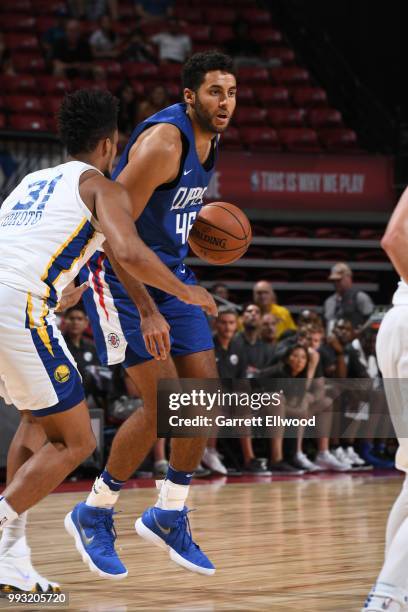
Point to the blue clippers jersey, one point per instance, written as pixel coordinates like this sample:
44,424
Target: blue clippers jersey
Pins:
171,211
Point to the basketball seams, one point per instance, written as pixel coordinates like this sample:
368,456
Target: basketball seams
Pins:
221,229
214,205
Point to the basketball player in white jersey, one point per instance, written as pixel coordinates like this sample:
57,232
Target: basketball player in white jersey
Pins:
50,225
390,592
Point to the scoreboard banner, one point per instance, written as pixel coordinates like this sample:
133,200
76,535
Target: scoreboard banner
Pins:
315,182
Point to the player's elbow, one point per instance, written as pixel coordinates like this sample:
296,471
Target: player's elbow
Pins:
392,240
128,255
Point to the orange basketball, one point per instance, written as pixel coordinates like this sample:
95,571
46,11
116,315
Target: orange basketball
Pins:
221,233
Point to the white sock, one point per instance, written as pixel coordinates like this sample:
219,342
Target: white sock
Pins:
13,536
101,495
171,496
398,514
7,513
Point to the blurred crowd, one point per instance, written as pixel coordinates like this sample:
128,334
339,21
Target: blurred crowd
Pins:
261,339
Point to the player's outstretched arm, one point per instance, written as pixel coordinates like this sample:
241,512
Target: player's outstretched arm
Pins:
115,214
395,239
153,325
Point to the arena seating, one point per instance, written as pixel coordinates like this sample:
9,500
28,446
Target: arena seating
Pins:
278,98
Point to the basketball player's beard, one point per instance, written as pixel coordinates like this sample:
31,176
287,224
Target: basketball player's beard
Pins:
204,119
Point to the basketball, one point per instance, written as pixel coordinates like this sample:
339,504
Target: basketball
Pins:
221,233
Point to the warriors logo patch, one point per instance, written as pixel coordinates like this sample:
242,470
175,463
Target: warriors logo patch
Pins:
62,373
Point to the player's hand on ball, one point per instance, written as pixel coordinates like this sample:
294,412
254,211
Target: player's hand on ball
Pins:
155,331
200,297
71,297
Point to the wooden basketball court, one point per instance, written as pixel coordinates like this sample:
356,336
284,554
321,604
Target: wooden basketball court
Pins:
308,544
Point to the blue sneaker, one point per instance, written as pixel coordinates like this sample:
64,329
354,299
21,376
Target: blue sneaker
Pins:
94,534
170,530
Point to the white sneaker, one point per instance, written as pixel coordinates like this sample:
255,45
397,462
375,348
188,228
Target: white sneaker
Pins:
211,459
327,461
18,572
304,463
341,456
354,457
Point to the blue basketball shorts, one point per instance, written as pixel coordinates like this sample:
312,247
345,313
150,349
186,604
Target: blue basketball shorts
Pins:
115,319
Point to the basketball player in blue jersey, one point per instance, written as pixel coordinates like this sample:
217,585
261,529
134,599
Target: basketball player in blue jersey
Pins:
50,225
166,168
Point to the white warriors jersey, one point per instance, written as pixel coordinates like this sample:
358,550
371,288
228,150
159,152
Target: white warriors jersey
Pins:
46,233
400,297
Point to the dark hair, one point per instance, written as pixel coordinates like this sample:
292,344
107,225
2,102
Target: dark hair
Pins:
224,310
291,348
85,117
197,66
77,308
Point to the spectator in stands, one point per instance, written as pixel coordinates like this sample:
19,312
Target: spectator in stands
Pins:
55,33
83,351
104,42
156,100
6,62
341,360
257,355
136,48
309,316
347,301
127,111
230,364
93,9
221,290
173,45
72,54
243,48
268,329
265,298
150,10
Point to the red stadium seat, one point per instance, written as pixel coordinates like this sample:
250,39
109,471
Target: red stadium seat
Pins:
324,117
290,253
80,83
138,87
198,32
143,70
201,47
2,121
309,96
111,67
48,7
45,23
330,255
16,6
290,75
230,139
253,74
174,91
25,104
266,36
250,115
31,63
339,139
334,232
304,299
221,34
52,104
17,23
23,42
283,54
190,14
170,72
372,255
290,231
273,96
22,83
220,15
299,140
28,123
286,117
277,276
245,95
260,138
255,16
50,85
